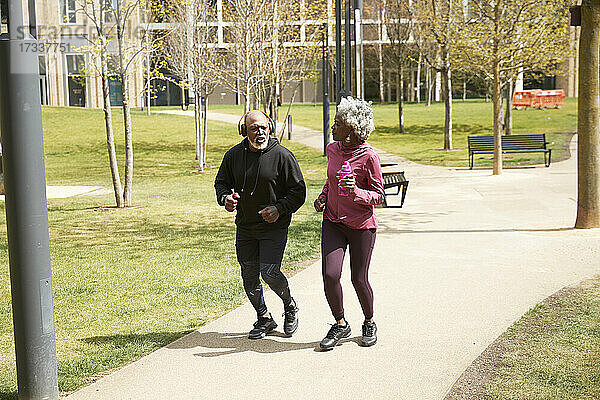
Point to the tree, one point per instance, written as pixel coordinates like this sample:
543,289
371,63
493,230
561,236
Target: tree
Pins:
271,46
249,34
399,31
435,22
295,45
189,47
97,14
588,118
502,37
128,50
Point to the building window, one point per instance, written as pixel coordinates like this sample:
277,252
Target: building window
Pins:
110,8
67,9
3,16
115,90
76,80
43,80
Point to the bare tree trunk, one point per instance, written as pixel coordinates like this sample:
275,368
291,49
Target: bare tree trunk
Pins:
204,130
183,106
389,87
497,98
447,91
400,96
198,118
429,86
275,88
497,104
380,53
110,137
418,91
411,92
381,83
148,78
508,114
197,124
127,187
464,90
588,118
247,97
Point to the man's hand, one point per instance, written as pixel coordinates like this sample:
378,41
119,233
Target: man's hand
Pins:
348,182
269,214
231,202
320,203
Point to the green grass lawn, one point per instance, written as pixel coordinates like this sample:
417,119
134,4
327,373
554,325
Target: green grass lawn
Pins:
127,282
553,352
424,139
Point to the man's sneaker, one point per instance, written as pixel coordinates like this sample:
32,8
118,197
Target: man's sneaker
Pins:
334,335
290,319
262,327
369,333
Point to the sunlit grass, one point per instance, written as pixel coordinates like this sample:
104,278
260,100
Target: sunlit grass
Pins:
129,281
423,141
554,350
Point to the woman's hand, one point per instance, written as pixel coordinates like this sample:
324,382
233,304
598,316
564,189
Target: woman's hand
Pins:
320,203
348,182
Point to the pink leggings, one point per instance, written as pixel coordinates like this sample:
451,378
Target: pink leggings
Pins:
336,237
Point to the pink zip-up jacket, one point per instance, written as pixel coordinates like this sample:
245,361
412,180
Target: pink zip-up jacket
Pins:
357,209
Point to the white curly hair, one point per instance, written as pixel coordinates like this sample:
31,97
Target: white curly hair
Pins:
357,114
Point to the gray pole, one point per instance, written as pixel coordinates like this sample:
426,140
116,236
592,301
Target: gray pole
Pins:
348,49
357,49
325,89
26,211
338,50
362,59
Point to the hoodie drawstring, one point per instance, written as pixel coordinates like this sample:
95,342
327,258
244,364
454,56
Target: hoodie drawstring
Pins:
257,174
246,172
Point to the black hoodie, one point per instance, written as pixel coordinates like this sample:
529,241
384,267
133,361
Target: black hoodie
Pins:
270,177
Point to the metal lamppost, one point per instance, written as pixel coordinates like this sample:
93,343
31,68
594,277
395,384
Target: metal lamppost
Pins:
338,50
348,48
26,209
325,88
358,49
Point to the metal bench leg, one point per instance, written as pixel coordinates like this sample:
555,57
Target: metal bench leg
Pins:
404,188
471,162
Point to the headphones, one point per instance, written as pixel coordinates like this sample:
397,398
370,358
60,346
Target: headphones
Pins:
242,130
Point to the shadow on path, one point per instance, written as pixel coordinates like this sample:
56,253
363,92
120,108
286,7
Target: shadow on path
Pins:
388,231
232,343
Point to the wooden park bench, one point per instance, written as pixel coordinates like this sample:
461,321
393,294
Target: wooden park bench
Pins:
397,180
530,143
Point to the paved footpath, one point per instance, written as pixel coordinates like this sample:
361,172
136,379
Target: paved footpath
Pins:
62,192
465,257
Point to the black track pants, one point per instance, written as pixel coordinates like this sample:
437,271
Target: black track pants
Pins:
259,252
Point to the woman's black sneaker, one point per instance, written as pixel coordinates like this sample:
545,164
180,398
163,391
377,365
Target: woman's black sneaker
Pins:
369,333
290,319
262,327
334,335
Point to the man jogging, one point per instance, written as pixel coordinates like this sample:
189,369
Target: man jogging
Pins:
262,180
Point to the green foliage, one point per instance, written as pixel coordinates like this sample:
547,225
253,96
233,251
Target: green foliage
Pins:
129,281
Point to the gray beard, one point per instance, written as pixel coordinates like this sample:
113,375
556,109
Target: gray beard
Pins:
259,146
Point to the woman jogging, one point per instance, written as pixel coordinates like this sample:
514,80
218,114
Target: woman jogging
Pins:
354,186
